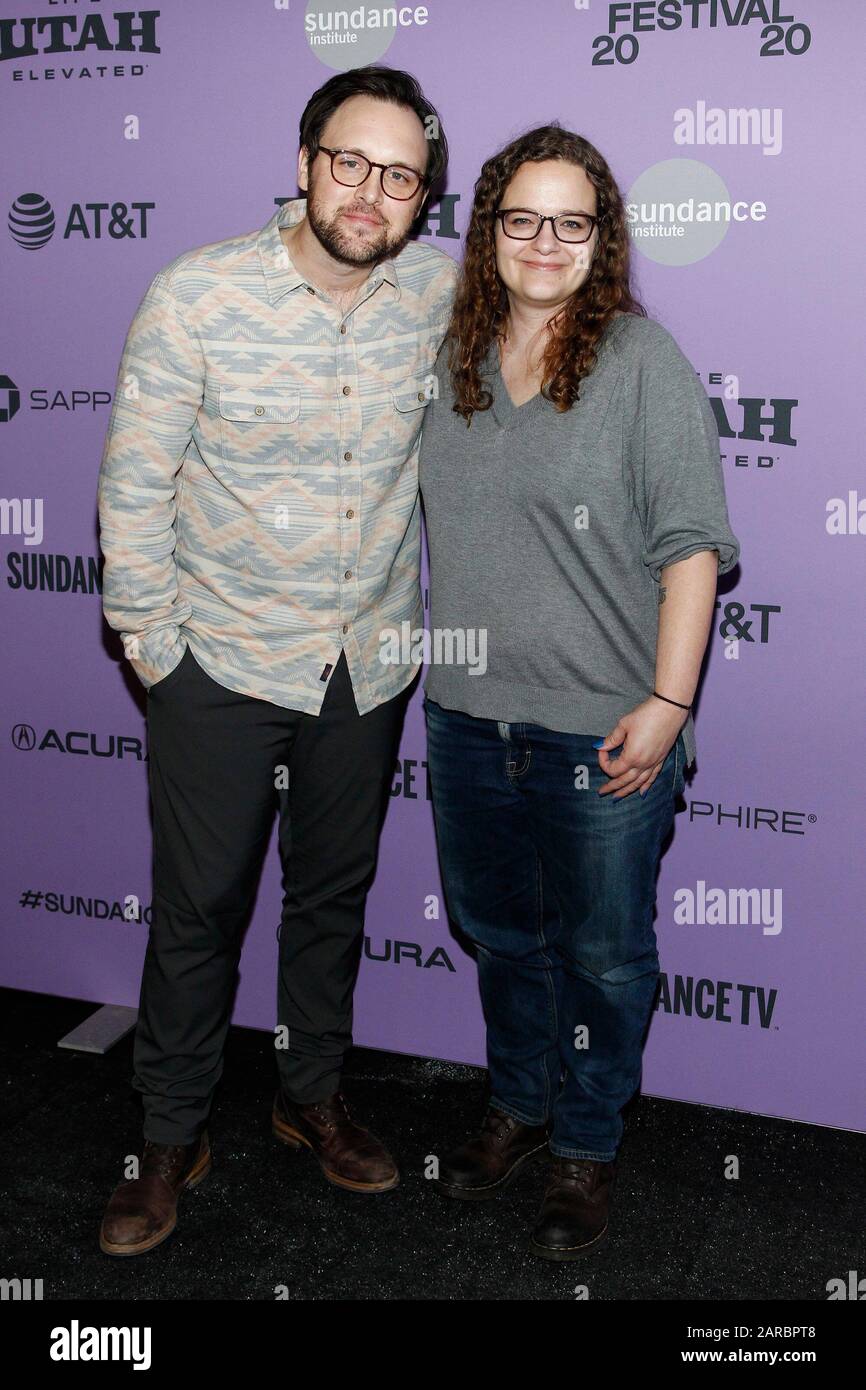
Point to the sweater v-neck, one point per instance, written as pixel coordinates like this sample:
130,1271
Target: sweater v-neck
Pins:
506,413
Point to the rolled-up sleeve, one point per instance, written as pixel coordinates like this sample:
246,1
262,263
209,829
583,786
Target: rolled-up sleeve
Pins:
160,386
678,485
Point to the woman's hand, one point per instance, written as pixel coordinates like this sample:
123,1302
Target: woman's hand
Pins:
648,733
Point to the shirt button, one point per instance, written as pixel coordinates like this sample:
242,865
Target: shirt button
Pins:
350,512
347,390
343,328
260,410
348,456
345,627
420,395
310,290
348,574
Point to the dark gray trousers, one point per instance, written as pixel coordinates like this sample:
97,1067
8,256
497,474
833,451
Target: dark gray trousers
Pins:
213,760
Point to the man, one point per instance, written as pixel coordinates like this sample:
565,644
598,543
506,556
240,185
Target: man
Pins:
260,524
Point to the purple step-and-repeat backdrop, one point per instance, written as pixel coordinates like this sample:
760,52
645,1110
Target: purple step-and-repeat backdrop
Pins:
730,126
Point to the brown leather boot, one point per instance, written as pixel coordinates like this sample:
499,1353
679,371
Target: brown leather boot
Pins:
349,1155
487,1163
143,1211
574,1213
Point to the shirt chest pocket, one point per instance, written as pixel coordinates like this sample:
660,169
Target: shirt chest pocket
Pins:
406,414
260,431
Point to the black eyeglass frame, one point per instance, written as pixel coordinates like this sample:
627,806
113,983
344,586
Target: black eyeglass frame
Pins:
374,164
502,213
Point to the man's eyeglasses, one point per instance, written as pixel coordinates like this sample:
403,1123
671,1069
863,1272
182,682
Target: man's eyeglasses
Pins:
351,169
522,224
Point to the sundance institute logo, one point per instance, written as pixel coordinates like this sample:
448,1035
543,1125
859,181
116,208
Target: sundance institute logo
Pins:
680,210
347,36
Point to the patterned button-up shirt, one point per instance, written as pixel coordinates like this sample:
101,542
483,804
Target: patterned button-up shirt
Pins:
258,492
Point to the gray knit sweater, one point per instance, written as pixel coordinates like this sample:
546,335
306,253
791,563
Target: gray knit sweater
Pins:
548,533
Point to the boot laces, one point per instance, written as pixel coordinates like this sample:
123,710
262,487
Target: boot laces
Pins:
500,1125
578,1171
337,1101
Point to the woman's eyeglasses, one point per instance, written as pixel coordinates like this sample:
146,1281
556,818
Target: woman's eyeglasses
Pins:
522,224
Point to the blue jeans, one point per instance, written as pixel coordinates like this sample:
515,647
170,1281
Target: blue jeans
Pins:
555,886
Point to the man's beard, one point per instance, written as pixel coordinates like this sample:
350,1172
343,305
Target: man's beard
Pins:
338,241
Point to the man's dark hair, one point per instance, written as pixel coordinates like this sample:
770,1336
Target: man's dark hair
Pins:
386,84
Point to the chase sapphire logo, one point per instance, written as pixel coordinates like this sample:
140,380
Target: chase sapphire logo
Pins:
10,399
31,221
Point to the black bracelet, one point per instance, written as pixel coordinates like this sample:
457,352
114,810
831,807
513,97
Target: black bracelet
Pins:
670,702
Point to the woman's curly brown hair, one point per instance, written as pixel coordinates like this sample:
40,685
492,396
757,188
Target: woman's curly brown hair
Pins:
480,311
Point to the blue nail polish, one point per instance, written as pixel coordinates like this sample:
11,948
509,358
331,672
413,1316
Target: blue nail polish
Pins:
599,743
642,792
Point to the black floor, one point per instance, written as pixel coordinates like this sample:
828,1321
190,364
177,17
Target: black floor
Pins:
266,1217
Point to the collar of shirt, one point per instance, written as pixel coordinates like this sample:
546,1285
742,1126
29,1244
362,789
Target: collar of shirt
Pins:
280,274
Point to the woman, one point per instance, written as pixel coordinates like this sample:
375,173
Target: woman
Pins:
577,521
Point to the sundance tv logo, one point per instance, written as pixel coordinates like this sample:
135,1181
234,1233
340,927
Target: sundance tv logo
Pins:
717,1001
